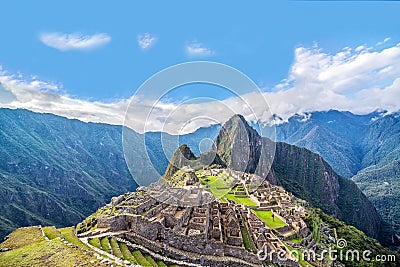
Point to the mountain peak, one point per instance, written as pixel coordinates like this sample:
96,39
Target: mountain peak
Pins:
182,157
234,120
184,151
236,142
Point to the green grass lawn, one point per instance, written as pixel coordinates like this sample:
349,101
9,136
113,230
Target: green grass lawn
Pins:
296,240
30,249
140,259
215,185
47,253
241,200
246,238
69,234
95,242
51,232
105,244
161,264
220,190
266,217
23,237
115,248
126,252
151,260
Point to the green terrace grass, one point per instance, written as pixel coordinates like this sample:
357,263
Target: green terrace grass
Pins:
241,200
140,259
161,264
95,242
126,252
246,238
115,248
239,188
151,260
51,232
296,240
47,253
215,185
266,217
29,248
69,234
105,244
219,188
23,237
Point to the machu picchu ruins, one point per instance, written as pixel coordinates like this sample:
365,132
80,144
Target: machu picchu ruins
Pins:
215,230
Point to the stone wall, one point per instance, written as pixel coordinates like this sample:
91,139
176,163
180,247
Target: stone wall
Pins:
139,209
153,211
234,241
220,260
146,229
286,228
115,223
241,253
154,236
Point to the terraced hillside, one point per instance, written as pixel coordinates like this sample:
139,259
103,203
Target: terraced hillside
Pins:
31,246
49,246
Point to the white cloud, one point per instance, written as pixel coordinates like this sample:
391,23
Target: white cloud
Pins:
198,49
387,39
145,41
358,81
74,41
47,97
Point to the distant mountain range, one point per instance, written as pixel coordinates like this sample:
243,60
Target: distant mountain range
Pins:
58,171
365,148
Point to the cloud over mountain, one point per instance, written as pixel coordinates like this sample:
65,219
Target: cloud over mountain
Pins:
359,80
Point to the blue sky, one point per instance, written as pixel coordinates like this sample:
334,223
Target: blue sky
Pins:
259,38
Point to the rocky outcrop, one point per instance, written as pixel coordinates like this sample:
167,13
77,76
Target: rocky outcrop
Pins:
182,157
